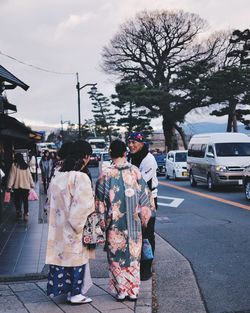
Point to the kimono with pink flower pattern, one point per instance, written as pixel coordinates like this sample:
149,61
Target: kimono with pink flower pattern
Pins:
123,203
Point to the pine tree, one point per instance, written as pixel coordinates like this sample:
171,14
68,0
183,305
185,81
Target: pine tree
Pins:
132,116
104,118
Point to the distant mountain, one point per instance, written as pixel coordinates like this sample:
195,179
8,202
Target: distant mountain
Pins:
207,127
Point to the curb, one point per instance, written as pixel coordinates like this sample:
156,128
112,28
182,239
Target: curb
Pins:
25,277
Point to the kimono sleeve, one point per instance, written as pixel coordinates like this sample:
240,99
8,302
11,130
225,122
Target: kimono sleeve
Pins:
145,209
101,202
82,203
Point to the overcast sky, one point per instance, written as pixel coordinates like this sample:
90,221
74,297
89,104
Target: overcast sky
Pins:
68,36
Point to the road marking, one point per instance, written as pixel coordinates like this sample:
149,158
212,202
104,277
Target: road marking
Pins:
239,205
175,202
163,218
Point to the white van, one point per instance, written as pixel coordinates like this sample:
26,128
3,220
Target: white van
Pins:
218,158
98,145
176,164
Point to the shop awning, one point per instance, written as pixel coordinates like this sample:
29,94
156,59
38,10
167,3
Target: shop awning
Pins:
12,128
6,76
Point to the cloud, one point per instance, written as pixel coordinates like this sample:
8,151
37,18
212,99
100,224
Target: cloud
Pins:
71,23
68,36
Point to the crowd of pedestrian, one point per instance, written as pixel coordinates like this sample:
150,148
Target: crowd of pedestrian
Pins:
123,204
121,210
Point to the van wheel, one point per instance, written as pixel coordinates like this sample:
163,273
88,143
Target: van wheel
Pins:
247,190
193,182
210,184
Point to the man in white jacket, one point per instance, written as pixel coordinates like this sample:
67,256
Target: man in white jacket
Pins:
145,161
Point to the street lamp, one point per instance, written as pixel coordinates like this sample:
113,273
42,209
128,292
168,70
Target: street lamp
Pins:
78,87
64,122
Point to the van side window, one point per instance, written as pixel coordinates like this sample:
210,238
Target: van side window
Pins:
233,149
197,150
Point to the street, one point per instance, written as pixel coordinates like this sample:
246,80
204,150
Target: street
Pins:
214,236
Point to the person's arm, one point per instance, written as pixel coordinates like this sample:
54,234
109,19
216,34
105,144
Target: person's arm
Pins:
145,208
148,169
12,177
82,203
31,181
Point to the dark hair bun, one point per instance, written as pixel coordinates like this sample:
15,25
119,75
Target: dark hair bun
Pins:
117,149
80,149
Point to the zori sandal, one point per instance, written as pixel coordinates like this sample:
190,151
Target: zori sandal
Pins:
80,299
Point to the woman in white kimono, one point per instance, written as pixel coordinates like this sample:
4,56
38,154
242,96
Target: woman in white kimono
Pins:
70,201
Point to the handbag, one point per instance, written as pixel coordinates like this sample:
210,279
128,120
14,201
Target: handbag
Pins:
32,195
147,252
92,231
7,197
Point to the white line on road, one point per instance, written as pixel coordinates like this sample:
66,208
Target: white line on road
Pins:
175,202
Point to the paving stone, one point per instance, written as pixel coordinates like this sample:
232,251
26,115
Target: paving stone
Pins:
6,292
43,307
82,308
146,285
33,296
42,285
100,281
145,295
106,303
130,304
23,286
23,310
105,288
11,303
95,291
62,299
4,287
142,309
127,310
144,302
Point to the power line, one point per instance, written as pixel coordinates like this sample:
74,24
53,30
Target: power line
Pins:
36,67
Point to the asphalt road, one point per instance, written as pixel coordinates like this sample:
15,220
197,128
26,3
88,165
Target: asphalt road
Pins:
213,234
212,231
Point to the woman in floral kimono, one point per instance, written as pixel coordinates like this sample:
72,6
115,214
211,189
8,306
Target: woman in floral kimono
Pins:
70,201
122,201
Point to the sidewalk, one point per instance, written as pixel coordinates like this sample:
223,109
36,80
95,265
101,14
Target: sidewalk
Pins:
23,275
23,272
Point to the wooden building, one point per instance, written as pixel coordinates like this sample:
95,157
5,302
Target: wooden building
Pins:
13,134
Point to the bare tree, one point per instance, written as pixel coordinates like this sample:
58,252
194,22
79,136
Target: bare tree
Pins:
152,47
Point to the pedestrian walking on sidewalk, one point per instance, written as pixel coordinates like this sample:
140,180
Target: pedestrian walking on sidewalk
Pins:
122,200
46,166
33,165
70,201
20,180
145,161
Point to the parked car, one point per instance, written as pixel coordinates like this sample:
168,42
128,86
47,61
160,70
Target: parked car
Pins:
161,162
176,164
218,159
41,146
246,182
94,159
105,160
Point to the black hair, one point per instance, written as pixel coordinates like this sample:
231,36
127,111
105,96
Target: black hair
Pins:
117,149
19,161
45,157
64,150
74,158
